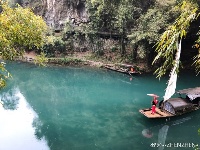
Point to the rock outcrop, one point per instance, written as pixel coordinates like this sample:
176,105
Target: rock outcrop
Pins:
57,12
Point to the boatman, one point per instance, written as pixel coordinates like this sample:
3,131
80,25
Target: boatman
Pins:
132,69
154,103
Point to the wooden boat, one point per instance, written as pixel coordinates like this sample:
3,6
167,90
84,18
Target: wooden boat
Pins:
188,101
170,107
123,68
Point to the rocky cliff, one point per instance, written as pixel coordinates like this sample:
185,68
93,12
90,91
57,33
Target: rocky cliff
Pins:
57,12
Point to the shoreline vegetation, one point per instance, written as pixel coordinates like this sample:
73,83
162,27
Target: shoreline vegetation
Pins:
79,59
88,59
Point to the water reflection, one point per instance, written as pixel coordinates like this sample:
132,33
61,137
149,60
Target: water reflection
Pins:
16,124
9,100
175,133
162,135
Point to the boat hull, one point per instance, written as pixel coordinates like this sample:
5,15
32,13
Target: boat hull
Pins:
159,113
121,70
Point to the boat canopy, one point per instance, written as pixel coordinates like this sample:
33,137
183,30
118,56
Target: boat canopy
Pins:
177,105
192,93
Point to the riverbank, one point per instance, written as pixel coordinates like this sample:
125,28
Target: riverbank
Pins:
89,59
81,59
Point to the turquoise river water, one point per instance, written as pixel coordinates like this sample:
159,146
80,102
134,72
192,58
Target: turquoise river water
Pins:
72,108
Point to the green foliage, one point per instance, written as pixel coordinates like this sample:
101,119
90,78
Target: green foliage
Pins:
150,25
20,29
4,74
41,59
166,2
111,16
197,57
124,12
68,28
166,47
54,45
99,53
65,61
114,48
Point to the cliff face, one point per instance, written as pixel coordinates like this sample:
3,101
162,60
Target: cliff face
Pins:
57,12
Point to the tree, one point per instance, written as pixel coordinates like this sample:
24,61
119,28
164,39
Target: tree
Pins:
112,16
124,14
197,57
150,26
169,45
20,29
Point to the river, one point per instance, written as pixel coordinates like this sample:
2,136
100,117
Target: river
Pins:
76,108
